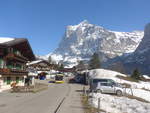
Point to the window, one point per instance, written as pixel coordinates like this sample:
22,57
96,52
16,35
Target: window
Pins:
104,84
17,52
10,65
99,80
8,80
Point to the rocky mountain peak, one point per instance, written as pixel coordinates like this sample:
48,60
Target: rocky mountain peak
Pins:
81,41
84,22
140,57
145,43
147,30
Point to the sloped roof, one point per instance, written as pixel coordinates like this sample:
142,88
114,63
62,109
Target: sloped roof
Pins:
39,62
34,62
20,44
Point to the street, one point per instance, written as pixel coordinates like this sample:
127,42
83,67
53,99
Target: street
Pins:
58,98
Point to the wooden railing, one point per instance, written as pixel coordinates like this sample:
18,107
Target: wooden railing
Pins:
17,57
12,71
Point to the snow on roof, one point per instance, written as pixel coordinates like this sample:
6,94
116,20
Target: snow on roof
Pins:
34,62
5,39
101,73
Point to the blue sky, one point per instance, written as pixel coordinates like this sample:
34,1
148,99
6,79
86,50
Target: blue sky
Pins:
43,22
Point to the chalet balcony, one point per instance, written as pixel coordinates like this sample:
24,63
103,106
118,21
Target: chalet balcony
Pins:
14,56
6,71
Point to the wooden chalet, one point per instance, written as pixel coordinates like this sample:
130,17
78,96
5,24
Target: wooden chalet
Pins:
42,67
14,54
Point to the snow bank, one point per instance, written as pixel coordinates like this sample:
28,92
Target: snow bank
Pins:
140,93
136,85
99,73
116,104
146,76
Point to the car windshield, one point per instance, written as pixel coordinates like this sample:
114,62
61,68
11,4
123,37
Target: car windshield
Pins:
58,77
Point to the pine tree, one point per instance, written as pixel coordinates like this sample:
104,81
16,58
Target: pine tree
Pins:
61,67
50,59
80,65
136,74
94,62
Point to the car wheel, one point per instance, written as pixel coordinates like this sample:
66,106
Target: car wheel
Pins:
119,93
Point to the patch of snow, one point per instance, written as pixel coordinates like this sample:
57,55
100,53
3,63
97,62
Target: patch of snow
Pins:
99,73
114,104
140,93
146,76
56,57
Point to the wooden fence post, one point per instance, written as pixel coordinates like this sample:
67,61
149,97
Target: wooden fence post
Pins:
131,91
84,90
99,101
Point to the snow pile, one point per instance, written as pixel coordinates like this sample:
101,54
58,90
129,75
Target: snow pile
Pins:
142,94
5,39
146,76
103,73
116,104
136,85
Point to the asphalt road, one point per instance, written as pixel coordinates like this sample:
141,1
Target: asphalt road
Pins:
58,98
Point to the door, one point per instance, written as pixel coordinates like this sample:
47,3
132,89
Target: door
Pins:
107,88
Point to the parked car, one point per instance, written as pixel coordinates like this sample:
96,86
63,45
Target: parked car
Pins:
78,78
106,86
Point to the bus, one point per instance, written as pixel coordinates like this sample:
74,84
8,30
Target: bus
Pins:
59,78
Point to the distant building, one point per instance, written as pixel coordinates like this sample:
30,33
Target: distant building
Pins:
40,69
14,54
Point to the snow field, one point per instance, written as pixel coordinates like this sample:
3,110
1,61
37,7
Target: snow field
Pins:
114,104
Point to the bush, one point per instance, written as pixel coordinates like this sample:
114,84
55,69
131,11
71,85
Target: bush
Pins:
136,74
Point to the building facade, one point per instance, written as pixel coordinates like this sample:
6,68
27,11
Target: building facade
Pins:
14,54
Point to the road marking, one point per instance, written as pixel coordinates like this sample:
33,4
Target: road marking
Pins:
58,107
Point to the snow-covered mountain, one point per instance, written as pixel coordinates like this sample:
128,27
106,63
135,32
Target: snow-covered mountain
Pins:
81,41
